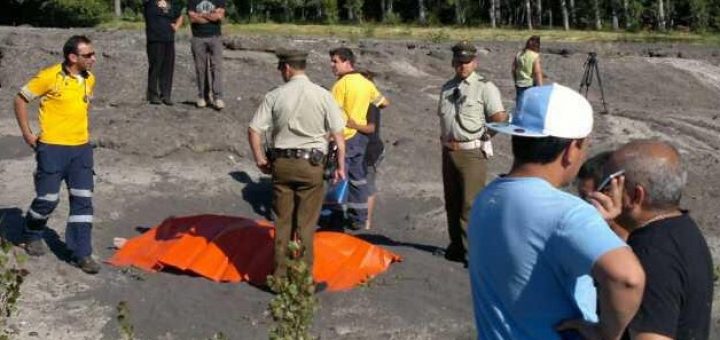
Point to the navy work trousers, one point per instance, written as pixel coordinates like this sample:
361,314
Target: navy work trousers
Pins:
74,165
357,174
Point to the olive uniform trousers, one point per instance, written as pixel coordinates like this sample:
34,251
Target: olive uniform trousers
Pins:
464,174
298,193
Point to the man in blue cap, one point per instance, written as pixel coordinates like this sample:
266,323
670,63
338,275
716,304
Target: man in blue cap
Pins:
535,250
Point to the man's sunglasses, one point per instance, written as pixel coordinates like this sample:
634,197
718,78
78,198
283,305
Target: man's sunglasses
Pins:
87,55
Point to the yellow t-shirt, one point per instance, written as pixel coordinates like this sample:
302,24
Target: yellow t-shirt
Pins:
354,94
64,102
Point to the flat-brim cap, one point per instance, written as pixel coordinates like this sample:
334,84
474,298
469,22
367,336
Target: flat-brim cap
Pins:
285,55
550,110
464,51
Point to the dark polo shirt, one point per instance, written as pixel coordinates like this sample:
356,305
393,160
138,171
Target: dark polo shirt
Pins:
679,279
159,15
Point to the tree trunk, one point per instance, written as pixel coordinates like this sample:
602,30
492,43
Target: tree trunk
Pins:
626,14
118,9
382,11
492,13
573,19
287,10
661,15
528,14
615,22
459,12
388,10
566,22
422,16
550,18
596,8
538,16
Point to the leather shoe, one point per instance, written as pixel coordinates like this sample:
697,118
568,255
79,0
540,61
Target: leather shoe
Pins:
88,265
168,102
35,247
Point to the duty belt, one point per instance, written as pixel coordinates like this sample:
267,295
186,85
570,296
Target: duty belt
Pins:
314,156
469,145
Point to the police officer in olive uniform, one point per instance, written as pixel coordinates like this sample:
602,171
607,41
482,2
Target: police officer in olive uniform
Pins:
467,101
298,116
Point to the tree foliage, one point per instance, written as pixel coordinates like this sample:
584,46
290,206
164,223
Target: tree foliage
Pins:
696,15
57,13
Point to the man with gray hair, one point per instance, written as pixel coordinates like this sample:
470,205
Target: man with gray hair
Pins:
672,250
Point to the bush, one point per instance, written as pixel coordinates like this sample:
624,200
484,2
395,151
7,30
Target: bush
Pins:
438,36
293,307
75,13
392,18
12,276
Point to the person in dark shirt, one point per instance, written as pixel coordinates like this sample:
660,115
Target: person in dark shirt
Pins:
162,19
374,154
679,287
206,16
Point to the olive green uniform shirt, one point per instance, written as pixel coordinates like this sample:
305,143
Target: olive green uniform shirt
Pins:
299,115
472,103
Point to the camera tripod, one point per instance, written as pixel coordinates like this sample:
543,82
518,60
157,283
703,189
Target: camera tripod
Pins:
590,68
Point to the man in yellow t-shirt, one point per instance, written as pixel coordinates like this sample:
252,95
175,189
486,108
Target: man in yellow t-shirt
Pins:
62,149
354,93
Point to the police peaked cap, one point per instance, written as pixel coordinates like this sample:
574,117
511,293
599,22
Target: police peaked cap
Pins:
464,51
285,55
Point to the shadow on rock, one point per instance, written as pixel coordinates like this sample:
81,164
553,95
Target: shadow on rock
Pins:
11,224
258,194
382,240
56,245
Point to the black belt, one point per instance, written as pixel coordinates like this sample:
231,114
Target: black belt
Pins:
315,156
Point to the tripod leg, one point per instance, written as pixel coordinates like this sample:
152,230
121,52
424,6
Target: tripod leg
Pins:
584,82
602,91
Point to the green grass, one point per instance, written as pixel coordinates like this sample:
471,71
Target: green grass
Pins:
448,33
438,34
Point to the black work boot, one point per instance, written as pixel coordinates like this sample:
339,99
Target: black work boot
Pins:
88,265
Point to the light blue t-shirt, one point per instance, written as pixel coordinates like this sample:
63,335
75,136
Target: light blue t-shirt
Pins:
532,248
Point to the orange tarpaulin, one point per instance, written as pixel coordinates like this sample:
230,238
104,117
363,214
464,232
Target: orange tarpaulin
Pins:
235,249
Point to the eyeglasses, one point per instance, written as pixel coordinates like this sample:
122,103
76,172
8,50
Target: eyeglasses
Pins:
87,55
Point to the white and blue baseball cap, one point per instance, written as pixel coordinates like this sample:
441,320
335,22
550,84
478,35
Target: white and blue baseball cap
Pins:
551,110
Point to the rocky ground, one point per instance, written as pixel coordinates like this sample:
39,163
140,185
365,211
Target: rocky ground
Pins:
157,161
